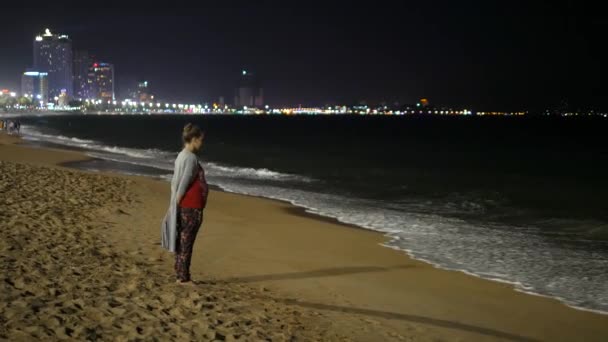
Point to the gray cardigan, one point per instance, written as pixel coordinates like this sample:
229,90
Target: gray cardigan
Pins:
186,167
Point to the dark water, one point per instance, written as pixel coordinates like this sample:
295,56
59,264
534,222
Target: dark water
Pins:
522,200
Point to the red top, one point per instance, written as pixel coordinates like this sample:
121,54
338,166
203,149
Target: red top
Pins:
196,195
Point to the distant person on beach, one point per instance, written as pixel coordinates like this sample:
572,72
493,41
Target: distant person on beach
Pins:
189,192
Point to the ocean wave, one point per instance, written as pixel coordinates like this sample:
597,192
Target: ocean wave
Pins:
31,133
156,158
246,172
128,152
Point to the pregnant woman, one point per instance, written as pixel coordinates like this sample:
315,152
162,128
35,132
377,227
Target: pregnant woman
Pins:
189,192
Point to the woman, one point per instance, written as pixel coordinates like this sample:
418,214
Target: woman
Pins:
189,192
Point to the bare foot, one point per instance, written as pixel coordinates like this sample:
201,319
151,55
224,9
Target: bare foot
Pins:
186,283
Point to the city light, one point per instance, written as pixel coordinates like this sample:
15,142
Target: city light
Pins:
13,94
38,38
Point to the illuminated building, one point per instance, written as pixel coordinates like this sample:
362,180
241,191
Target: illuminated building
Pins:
35,84
62,99
101,81
143,92
249,92
82,61
53,55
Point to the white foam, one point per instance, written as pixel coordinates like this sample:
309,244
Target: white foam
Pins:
251,173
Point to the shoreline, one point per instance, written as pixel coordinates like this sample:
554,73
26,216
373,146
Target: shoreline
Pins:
365,290
304,212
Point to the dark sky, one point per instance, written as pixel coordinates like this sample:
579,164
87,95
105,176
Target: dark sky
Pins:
483,54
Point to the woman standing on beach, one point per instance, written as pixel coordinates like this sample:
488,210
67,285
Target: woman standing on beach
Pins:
189,192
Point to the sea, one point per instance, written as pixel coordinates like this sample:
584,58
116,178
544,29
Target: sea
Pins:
520,200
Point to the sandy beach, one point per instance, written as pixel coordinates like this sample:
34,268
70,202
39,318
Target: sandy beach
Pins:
81,259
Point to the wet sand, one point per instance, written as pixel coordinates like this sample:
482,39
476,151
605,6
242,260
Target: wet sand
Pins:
81,259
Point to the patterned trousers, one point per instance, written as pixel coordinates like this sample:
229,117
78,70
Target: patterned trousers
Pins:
188,223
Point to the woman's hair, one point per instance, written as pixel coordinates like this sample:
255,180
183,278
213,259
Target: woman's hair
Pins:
190,132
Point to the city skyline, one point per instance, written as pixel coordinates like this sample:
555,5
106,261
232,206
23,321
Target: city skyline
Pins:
486,56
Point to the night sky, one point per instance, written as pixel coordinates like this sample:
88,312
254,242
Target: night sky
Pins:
506,55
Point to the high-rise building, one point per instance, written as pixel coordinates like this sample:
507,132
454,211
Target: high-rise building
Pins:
249,93
82,62
27,84
143,92
34,84
101,81
53,55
